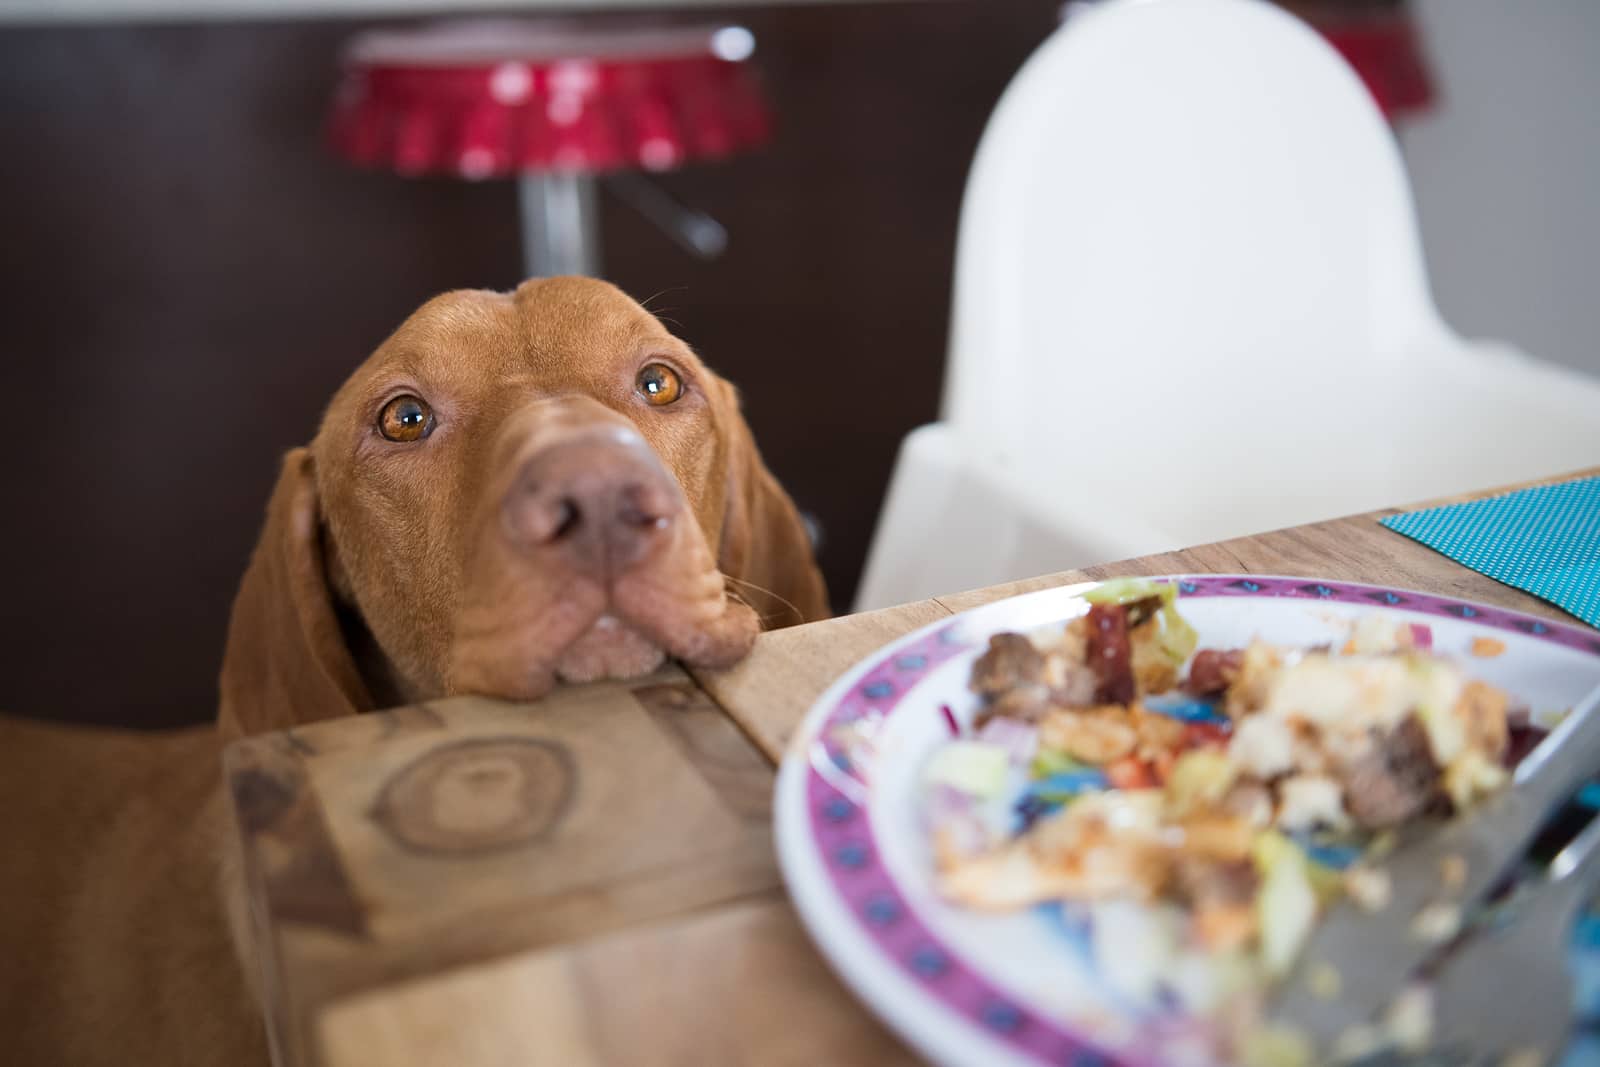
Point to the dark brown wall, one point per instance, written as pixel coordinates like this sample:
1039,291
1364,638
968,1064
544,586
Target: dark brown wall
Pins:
187,275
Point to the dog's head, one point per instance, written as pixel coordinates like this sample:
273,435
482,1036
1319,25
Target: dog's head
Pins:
511,491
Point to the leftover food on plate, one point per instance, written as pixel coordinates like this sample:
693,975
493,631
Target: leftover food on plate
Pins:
1197,808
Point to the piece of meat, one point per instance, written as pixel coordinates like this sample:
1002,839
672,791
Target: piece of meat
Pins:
1213,883
1394,779
1258,667
1010,661
1212,836
1090,735
1158,734
1213,670
1109,653
1029,702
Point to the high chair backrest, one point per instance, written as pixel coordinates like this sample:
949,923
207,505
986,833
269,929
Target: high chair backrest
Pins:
1179,206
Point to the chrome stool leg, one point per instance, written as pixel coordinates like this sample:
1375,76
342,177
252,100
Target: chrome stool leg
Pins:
560,225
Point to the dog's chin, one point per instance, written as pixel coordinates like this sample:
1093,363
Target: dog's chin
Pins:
609,648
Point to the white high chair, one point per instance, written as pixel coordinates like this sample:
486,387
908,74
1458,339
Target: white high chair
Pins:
1190,304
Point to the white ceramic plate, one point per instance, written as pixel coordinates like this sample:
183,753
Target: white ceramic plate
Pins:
968,988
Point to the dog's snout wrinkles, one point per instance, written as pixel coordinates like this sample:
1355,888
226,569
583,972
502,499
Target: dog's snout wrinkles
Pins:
601,502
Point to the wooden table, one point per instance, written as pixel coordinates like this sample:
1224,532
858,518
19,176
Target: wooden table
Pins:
591,879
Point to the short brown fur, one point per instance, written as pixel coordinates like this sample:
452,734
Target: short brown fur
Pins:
382,575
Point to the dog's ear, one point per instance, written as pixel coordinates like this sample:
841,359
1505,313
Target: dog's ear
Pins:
286,661
764,546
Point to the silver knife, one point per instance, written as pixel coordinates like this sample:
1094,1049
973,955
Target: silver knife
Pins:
1374,953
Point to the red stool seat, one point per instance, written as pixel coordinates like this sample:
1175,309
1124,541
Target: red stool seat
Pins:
1385,51
496,99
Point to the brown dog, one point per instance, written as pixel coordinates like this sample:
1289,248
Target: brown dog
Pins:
511,491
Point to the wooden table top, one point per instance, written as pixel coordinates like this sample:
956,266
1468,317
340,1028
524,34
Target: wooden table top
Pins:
591,879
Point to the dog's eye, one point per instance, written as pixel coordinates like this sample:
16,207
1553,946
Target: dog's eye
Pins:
659,384
406,418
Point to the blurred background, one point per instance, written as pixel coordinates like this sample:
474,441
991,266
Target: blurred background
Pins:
190,269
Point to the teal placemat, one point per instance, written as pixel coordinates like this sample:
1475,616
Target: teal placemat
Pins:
1545,541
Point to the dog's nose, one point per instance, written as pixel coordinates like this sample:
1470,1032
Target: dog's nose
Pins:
601,500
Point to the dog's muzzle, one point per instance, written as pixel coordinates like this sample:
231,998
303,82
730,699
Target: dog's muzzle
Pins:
597,502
